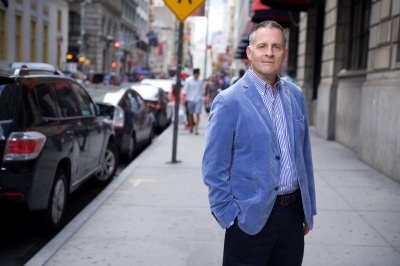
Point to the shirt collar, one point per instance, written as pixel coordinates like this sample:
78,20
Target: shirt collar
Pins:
261,85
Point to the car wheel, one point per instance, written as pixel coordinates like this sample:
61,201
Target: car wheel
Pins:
130,154
50,220
151,135
108,166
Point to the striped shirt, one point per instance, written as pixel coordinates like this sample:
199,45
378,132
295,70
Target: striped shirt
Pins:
288,180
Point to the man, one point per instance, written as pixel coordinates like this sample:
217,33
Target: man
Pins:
193,92
234,79
257,162
211,90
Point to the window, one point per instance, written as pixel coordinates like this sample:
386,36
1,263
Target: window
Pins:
86,104
48,106
59,20
398,44
74,23
359,34
133,102
7,100
58,55
33,41
18,38
45,43
66,99
3,31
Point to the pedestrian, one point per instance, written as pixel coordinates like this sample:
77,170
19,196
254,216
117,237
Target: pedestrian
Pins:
193,93
235,79
257,161
289,75
182,118
212,89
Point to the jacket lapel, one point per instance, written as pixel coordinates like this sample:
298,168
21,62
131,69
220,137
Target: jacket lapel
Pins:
287,107
254,96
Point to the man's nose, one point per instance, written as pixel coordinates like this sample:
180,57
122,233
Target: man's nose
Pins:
269,51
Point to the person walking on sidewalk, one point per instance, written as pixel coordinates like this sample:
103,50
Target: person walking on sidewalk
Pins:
257,161
193,92
211,90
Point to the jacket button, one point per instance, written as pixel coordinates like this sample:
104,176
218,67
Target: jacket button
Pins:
278,157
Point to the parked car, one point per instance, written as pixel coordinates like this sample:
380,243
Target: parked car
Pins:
37,68
157,101
106,79
51,141
165,84
132,120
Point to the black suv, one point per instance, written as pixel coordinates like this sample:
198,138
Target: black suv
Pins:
51,140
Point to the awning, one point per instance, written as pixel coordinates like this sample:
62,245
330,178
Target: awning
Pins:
244,41
261,12
293,5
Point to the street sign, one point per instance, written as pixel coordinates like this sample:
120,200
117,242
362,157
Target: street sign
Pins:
183,8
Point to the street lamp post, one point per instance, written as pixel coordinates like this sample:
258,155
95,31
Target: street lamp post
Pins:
82,44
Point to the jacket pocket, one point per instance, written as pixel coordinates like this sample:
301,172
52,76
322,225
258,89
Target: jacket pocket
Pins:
243,189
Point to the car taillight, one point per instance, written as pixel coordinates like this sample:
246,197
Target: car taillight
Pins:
119,117
24,145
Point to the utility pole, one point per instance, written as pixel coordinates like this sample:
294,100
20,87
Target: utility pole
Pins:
81,41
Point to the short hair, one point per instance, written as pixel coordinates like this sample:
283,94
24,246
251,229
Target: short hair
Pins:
196,71
267,24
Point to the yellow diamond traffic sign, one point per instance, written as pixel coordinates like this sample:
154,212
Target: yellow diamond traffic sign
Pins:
183,8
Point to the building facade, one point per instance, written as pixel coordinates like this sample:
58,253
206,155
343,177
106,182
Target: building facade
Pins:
347,59
34,31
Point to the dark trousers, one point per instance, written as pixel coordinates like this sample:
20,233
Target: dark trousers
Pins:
280,242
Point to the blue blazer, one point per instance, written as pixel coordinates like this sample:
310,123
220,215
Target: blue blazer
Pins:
240,164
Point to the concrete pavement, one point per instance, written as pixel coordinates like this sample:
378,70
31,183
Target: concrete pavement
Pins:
157,213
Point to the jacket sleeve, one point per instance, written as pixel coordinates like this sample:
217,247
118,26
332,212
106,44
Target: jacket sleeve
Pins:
217,161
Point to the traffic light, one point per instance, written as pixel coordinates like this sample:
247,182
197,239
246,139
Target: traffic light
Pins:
117,45
114,64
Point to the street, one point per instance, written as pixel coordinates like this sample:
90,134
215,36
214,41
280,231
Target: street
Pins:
20,239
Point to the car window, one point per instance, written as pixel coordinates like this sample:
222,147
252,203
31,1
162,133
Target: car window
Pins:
87,106
133,102
67,99
29,110
48,106
7,101
140,101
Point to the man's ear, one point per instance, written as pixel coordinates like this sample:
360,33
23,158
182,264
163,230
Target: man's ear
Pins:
286,52
248,52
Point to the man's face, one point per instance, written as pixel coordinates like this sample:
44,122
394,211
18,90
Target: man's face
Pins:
267,53
196,75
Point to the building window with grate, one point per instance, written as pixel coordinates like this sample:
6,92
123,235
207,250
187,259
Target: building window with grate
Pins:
59,20
33,41
398,43
359,34
45,43
18,38
3,32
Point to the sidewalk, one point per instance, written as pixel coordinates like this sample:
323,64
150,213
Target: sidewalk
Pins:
157,213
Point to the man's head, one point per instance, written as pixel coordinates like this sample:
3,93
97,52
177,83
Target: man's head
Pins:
196,73
267,50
